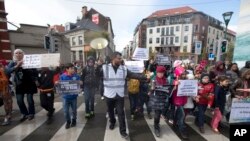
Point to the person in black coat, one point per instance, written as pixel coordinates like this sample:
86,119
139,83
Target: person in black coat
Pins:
25,83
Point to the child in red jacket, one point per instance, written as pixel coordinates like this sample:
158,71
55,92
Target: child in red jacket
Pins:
205,92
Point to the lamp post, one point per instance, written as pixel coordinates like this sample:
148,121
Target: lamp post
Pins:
227,17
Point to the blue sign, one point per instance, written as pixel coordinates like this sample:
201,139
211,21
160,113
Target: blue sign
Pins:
211,56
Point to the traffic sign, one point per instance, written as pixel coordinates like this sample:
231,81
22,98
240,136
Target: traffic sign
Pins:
211,56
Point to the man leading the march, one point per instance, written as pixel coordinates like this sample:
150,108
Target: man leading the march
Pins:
114,77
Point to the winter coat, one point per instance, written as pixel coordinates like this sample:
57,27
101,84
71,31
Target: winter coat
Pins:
204,91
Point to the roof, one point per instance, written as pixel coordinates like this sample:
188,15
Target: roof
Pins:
58,28
85,24
231,32
173,11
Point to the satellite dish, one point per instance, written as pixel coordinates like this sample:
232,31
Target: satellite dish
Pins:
99,43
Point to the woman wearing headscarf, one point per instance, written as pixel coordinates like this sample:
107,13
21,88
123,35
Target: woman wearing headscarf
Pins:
25,83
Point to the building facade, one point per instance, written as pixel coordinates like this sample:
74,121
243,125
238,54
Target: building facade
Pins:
92,25
5,51
173,32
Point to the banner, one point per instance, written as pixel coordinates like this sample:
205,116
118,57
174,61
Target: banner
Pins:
162,60
187,88
41,60
141,54
198,47
135,66
68,87
240,111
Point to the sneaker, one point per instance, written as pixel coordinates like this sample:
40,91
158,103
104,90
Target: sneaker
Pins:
23,118
6,122
73,124
67,126
50,114
157,132
132,117
49,120
216,130
149,116
102,98
31,117
112,126
124,135
202,130
92,114
87,115
171,121
183,135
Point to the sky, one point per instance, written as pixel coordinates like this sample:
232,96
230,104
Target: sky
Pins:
125,14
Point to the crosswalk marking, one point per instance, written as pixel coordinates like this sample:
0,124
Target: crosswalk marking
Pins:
71,133
167,134
24,129
209,134
115,133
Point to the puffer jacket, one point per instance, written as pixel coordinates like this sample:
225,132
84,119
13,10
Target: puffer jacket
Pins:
178,100
204,91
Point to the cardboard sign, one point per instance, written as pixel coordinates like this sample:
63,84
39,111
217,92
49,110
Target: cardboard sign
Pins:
135,66
69,87
240,111
41,60
141,54
188,88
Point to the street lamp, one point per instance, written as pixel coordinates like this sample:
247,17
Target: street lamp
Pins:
227,17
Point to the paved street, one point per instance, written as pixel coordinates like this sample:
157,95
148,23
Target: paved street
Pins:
96,129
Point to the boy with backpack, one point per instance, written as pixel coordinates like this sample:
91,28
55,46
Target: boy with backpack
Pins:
133,92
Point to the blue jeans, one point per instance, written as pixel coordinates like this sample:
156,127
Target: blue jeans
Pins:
89,96
200,115
133,99
22,106
179,117
67,103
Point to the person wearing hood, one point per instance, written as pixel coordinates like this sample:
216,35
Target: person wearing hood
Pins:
89,79
205,94
247,66
219,70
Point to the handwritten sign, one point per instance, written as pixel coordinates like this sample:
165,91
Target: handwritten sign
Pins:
240,111
41,60
162,60
141,54
135,66
68,87
188,88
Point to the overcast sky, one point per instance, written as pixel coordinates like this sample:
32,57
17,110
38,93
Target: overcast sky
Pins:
125,14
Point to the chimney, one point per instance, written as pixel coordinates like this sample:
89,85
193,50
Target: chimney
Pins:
84,11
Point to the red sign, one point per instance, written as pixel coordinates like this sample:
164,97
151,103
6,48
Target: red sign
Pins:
95,18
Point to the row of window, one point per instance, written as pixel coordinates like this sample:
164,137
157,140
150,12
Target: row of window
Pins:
166,42
169,30
74,42
80,55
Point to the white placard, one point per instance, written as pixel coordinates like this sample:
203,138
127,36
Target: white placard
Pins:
135,66
162,60
32,61
141,54
188,88
240,111
41,60
198,47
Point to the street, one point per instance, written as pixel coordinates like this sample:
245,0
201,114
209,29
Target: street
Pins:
97,128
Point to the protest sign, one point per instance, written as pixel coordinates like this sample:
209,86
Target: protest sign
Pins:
135,66
187,88
140,54
41,60
162,60
240,111
68,87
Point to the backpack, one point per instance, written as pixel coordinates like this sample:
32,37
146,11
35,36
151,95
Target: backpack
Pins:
133,86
